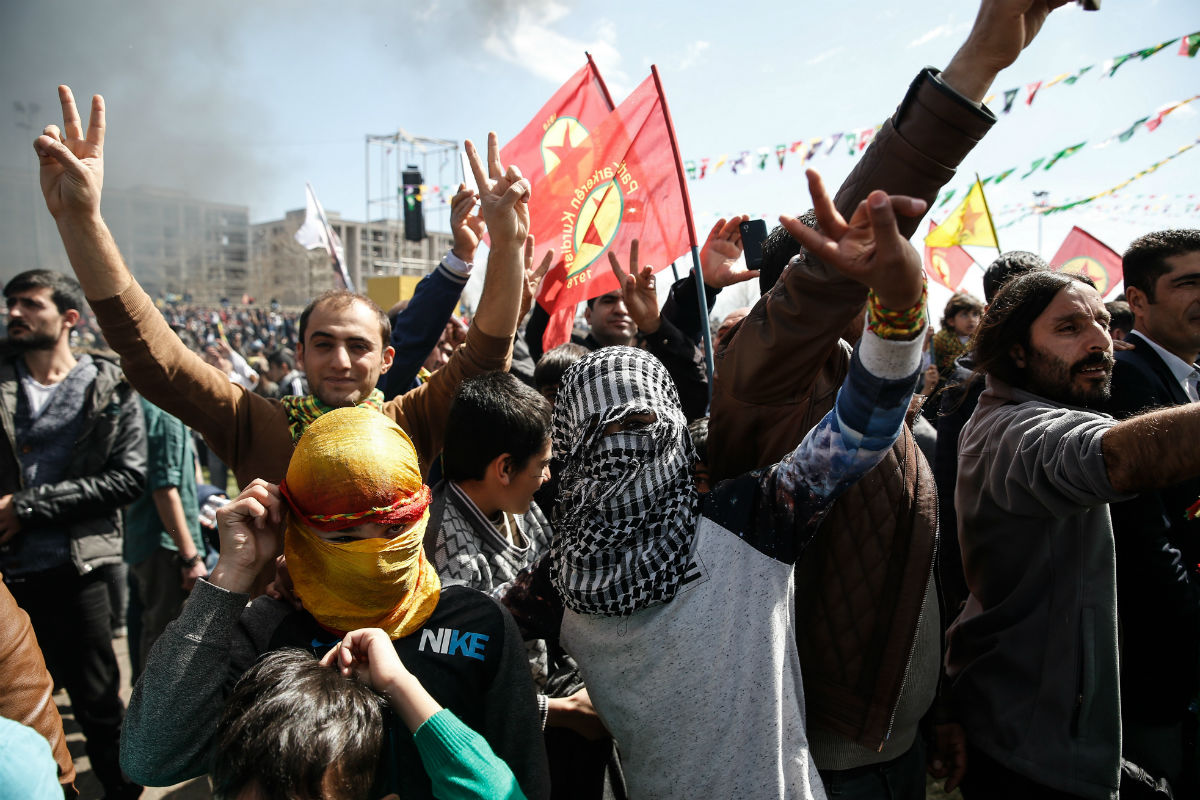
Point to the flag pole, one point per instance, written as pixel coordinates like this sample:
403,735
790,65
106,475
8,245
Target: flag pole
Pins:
988,211
697,273
603,86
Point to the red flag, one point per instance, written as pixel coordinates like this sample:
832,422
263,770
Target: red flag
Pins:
946,265
622,185
1084,254
566,120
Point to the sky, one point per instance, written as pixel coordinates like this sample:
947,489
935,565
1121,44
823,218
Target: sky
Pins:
243,102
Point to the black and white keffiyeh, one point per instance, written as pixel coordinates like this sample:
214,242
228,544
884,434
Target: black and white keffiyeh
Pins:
627,506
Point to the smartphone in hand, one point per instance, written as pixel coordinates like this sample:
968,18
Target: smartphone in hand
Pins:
753,232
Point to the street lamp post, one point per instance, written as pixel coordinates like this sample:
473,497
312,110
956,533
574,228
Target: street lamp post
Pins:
1040,197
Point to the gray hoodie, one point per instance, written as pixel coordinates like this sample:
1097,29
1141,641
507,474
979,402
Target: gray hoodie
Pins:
1033,655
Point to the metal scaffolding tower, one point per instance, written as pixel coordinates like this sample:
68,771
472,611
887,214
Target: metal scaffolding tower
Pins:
387,156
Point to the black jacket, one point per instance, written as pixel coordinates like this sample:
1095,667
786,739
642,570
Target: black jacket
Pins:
1158,586
107,468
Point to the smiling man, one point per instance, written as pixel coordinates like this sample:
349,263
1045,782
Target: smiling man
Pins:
343,336
1033,655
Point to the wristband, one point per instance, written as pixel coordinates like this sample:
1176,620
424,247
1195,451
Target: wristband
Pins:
888,324
188,563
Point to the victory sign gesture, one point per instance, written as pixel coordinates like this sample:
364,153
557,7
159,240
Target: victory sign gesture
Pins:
868,248
72,163
504,196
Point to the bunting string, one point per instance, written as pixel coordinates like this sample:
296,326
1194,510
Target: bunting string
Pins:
854,141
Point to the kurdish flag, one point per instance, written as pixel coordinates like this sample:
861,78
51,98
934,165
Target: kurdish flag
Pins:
622,184
1086,255
969,224
946,265
562,124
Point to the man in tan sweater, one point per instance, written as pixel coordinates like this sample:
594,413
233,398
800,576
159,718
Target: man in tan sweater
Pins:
344,337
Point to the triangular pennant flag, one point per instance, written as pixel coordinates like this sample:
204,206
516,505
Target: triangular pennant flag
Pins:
703,167
864,137
797,146
1084,254
1190,45
1149,51
1009,96
987,101
1057,79
1033,168
739,163
946,197
763,155
837,137
780,152
1126,135
1117,62
1071,80
1033,90
970,223
690,168
851,143
1064,153
720,163
1004,174
812,150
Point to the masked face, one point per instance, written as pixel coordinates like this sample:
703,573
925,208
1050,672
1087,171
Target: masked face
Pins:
358,512
627,505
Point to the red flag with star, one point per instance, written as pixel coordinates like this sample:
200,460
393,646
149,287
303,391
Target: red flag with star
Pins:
1084,254
622,184
946,265
567,119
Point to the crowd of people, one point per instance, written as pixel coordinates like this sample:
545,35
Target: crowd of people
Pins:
862,554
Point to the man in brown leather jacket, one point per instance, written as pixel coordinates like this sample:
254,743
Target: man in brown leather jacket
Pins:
26,686
868,628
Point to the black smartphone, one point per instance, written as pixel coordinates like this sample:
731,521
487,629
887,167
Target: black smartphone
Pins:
753,231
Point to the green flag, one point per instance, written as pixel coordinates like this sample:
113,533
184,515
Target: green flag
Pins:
1125,136
1004,174
1117,62
1064,153
1149,51
1078,75
1033,168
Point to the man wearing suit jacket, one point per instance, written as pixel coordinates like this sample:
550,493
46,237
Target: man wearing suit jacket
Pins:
1158,582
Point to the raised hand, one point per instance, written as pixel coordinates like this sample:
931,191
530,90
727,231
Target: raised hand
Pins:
369,654
720,254
1002,29
638,290
72,163
869,247
250,528
504,195
533,276
467,227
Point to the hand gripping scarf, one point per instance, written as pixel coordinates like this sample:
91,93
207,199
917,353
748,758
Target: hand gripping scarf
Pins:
627,507
353,466
303,410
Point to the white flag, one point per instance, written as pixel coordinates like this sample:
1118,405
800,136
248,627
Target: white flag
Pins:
316,233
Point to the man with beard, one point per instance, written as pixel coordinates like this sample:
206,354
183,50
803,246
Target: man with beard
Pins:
1033,655
73,453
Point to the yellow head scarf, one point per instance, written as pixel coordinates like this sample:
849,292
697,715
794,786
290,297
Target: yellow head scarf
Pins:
354,466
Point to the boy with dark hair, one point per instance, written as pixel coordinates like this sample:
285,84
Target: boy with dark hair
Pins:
547,375
258,753
485,526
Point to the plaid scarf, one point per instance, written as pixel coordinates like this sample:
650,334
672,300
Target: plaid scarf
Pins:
627,507
303,410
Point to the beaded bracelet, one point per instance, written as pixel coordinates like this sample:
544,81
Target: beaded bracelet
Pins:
888,324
